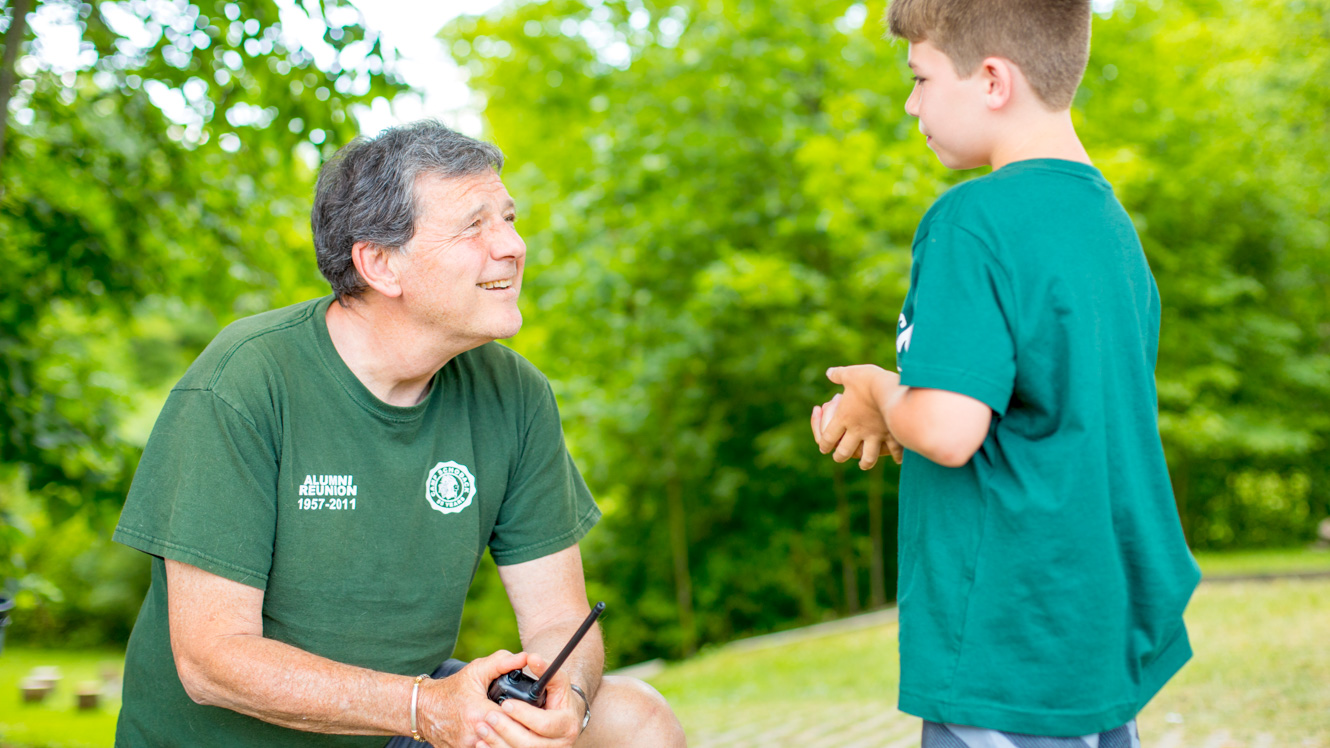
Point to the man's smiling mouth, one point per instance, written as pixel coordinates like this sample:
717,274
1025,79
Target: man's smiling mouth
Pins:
505,283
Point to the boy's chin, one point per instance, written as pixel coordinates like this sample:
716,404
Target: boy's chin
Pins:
959,163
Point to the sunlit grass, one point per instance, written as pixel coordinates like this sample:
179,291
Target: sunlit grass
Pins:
1281,561
57,721
1262,665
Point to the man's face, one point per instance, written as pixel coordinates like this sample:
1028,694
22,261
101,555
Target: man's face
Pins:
951,110
462,270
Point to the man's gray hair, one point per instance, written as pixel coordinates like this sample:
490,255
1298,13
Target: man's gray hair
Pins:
366,192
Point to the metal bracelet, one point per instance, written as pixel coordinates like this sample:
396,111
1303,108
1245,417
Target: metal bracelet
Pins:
586,716
415,698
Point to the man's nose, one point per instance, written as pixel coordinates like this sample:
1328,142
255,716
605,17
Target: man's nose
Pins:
507,244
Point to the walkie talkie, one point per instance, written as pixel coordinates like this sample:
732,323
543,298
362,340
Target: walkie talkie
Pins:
518,685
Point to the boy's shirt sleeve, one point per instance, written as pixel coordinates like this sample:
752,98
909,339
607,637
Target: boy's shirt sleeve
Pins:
955,332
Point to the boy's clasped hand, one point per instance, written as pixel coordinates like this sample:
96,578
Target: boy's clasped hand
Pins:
853,424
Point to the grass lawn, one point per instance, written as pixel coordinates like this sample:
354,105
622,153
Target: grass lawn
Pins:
1290,560
1262,665
56,721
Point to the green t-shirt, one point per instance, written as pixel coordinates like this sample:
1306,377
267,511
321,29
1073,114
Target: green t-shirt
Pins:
1042,584
273,466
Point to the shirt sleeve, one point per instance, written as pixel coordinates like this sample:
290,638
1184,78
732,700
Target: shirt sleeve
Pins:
548,506
205,490
959,335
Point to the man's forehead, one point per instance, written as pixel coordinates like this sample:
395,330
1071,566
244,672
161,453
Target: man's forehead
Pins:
465,193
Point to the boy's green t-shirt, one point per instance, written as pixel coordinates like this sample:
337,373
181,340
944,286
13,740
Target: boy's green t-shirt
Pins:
272,465
1042,584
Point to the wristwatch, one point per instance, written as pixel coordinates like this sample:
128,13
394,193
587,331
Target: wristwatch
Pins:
586,717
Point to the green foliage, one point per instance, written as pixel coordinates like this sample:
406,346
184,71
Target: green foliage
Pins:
691,279
129,236
719,199
1221,167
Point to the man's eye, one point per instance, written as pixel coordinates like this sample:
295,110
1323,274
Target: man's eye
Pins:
918,80
510,219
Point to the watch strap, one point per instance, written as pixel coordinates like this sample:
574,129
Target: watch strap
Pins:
586,716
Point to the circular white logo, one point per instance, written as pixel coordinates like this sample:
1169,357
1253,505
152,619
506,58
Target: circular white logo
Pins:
450,487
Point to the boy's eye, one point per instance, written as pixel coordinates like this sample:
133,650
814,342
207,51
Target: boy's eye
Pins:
918,80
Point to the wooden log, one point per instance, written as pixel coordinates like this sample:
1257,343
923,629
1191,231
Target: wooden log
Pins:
89,695
34,691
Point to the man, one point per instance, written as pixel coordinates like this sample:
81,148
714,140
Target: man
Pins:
321,485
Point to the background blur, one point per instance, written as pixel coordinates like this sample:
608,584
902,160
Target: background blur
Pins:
718,197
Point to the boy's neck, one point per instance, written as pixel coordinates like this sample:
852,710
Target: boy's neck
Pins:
1048,135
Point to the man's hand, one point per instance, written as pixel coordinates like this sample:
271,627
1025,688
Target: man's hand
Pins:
455,712
549,599
521,725
854,424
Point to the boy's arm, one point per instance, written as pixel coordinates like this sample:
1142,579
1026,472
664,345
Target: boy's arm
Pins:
946,427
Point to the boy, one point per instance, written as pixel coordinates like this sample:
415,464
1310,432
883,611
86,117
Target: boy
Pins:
1043,571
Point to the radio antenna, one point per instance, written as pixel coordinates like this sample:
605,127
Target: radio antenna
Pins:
568,648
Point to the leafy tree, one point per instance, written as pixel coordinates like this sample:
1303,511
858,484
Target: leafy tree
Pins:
719,199
166,179
1222,167
690,289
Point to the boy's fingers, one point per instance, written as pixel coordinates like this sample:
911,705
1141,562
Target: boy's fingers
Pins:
817,423
834,374
871,450
831,436
846,448
829,410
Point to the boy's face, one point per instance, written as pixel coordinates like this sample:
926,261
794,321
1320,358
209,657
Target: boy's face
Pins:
952,111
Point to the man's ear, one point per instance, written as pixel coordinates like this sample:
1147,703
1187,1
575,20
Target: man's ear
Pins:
999,77
375,265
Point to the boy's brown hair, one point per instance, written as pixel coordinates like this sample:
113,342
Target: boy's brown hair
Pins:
1049,40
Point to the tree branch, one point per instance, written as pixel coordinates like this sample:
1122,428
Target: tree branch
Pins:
18,27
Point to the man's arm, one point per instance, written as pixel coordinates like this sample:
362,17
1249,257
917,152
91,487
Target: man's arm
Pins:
224,660
548,596
946,427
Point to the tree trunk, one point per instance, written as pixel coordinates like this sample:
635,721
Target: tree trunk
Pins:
683,580
1181,490
849,574
18,27
877,572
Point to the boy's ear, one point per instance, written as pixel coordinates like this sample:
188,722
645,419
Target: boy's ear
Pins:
999,77
375,265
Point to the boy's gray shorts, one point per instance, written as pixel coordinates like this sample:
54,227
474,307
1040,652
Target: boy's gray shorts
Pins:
958,736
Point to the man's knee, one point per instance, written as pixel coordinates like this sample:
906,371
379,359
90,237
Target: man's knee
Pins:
631,712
